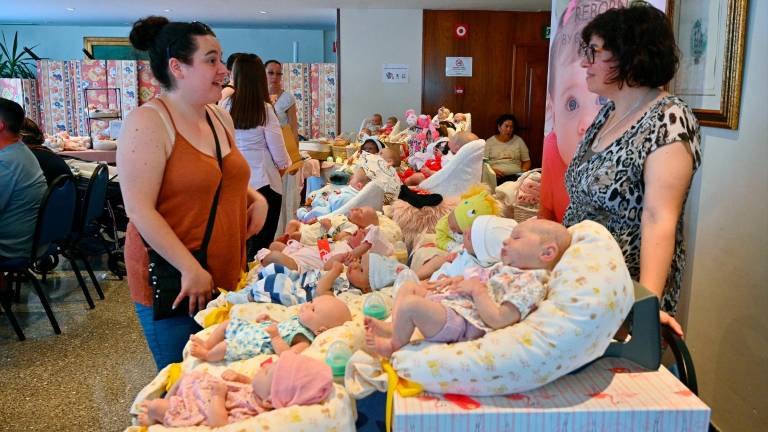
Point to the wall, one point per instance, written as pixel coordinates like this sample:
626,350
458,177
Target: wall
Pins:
329,37
370,38
726,293
66,42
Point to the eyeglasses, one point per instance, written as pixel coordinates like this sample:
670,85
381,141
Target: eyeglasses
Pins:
588,51
275,73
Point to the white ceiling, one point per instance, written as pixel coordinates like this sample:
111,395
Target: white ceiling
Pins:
223,13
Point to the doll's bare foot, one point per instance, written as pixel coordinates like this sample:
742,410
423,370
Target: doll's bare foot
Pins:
378,344
143,416
197,347
152,411
379,328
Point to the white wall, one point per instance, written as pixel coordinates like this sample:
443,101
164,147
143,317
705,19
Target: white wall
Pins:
370,38
66,42
726,293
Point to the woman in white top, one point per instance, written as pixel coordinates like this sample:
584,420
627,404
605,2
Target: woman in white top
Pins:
259,138
284,102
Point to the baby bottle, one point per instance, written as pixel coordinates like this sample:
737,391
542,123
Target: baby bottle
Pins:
401,252
376,306
404,276
337,358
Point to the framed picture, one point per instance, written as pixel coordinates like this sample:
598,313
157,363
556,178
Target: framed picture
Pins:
112,48
711,35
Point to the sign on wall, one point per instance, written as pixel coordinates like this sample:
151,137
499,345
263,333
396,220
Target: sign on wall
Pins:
394,73
458,66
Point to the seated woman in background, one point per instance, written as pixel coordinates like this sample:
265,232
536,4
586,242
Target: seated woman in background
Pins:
506,152
52,164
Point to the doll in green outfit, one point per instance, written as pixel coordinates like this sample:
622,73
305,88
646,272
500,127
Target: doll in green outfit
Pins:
240,339
449,231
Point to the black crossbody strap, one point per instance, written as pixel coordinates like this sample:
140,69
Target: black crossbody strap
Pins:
215,204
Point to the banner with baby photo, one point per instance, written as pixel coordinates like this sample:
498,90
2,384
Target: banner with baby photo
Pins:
571,107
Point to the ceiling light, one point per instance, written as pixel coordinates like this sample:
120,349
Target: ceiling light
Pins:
71,9
167,10
263,12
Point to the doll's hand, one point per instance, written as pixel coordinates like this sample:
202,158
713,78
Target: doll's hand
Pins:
263,317
326,224
229,375
468,287
272,331
451,256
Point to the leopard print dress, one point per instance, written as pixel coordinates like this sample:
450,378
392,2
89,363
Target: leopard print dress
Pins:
608,187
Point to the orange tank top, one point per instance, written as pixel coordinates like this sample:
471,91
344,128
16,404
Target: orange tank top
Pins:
184,200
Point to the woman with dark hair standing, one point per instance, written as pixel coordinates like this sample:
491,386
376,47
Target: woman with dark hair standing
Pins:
260,139
284,102
633,169
169,175
506,152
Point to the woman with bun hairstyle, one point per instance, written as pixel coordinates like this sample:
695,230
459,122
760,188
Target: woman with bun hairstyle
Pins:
260,139
169,174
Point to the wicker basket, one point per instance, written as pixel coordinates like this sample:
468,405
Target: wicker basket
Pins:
339,152
351,150
316,150
521,212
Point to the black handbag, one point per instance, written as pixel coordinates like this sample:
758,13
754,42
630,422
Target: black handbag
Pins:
164,278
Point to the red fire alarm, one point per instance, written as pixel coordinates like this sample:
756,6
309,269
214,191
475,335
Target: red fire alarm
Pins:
461,31
459,90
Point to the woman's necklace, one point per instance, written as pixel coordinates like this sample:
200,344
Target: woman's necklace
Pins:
596,144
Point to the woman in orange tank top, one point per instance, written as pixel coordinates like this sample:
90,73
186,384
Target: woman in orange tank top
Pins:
169,174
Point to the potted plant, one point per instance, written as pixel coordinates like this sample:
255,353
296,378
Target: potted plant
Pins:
14,62
17,77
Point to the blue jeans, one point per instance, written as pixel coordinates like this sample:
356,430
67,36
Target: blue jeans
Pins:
166,338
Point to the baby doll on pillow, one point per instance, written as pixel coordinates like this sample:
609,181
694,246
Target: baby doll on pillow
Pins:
201,399
240,339
324,203
460,309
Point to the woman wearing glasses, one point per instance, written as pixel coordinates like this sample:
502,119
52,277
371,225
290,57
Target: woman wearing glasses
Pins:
284,102
633,169
169,175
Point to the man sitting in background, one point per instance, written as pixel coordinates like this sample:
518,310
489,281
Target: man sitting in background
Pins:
23,185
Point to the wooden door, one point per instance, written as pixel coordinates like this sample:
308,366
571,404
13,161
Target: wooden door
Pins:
509,63
528,98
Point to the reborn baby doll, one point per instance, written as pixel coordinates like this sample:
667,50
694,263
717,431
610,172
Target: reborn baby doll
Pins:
240,339
201,399
458,309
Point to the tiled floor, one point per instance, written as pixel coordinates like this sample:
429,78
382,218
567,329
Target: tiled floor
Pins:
84,379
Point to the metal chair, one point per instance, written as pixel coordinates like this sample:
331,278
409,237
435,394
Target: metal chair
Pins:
80,244
644,347
54,223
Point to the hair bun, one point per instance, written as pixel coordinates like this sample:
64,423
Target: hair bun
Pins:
145,31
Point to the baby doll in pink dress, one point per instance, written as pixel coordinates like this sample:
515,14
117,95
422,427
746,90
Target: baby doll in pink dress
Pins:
201,399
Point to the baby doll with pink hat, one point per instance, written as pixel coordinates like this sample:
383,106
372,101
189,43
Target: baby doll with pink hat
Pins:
201,399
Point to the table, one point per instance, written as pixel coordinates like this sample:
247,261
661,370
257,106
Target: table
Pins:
611,394
107,156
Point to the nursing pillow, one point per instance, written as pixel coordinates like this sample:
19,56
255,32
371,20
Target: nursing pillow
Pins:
463,170
590,294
